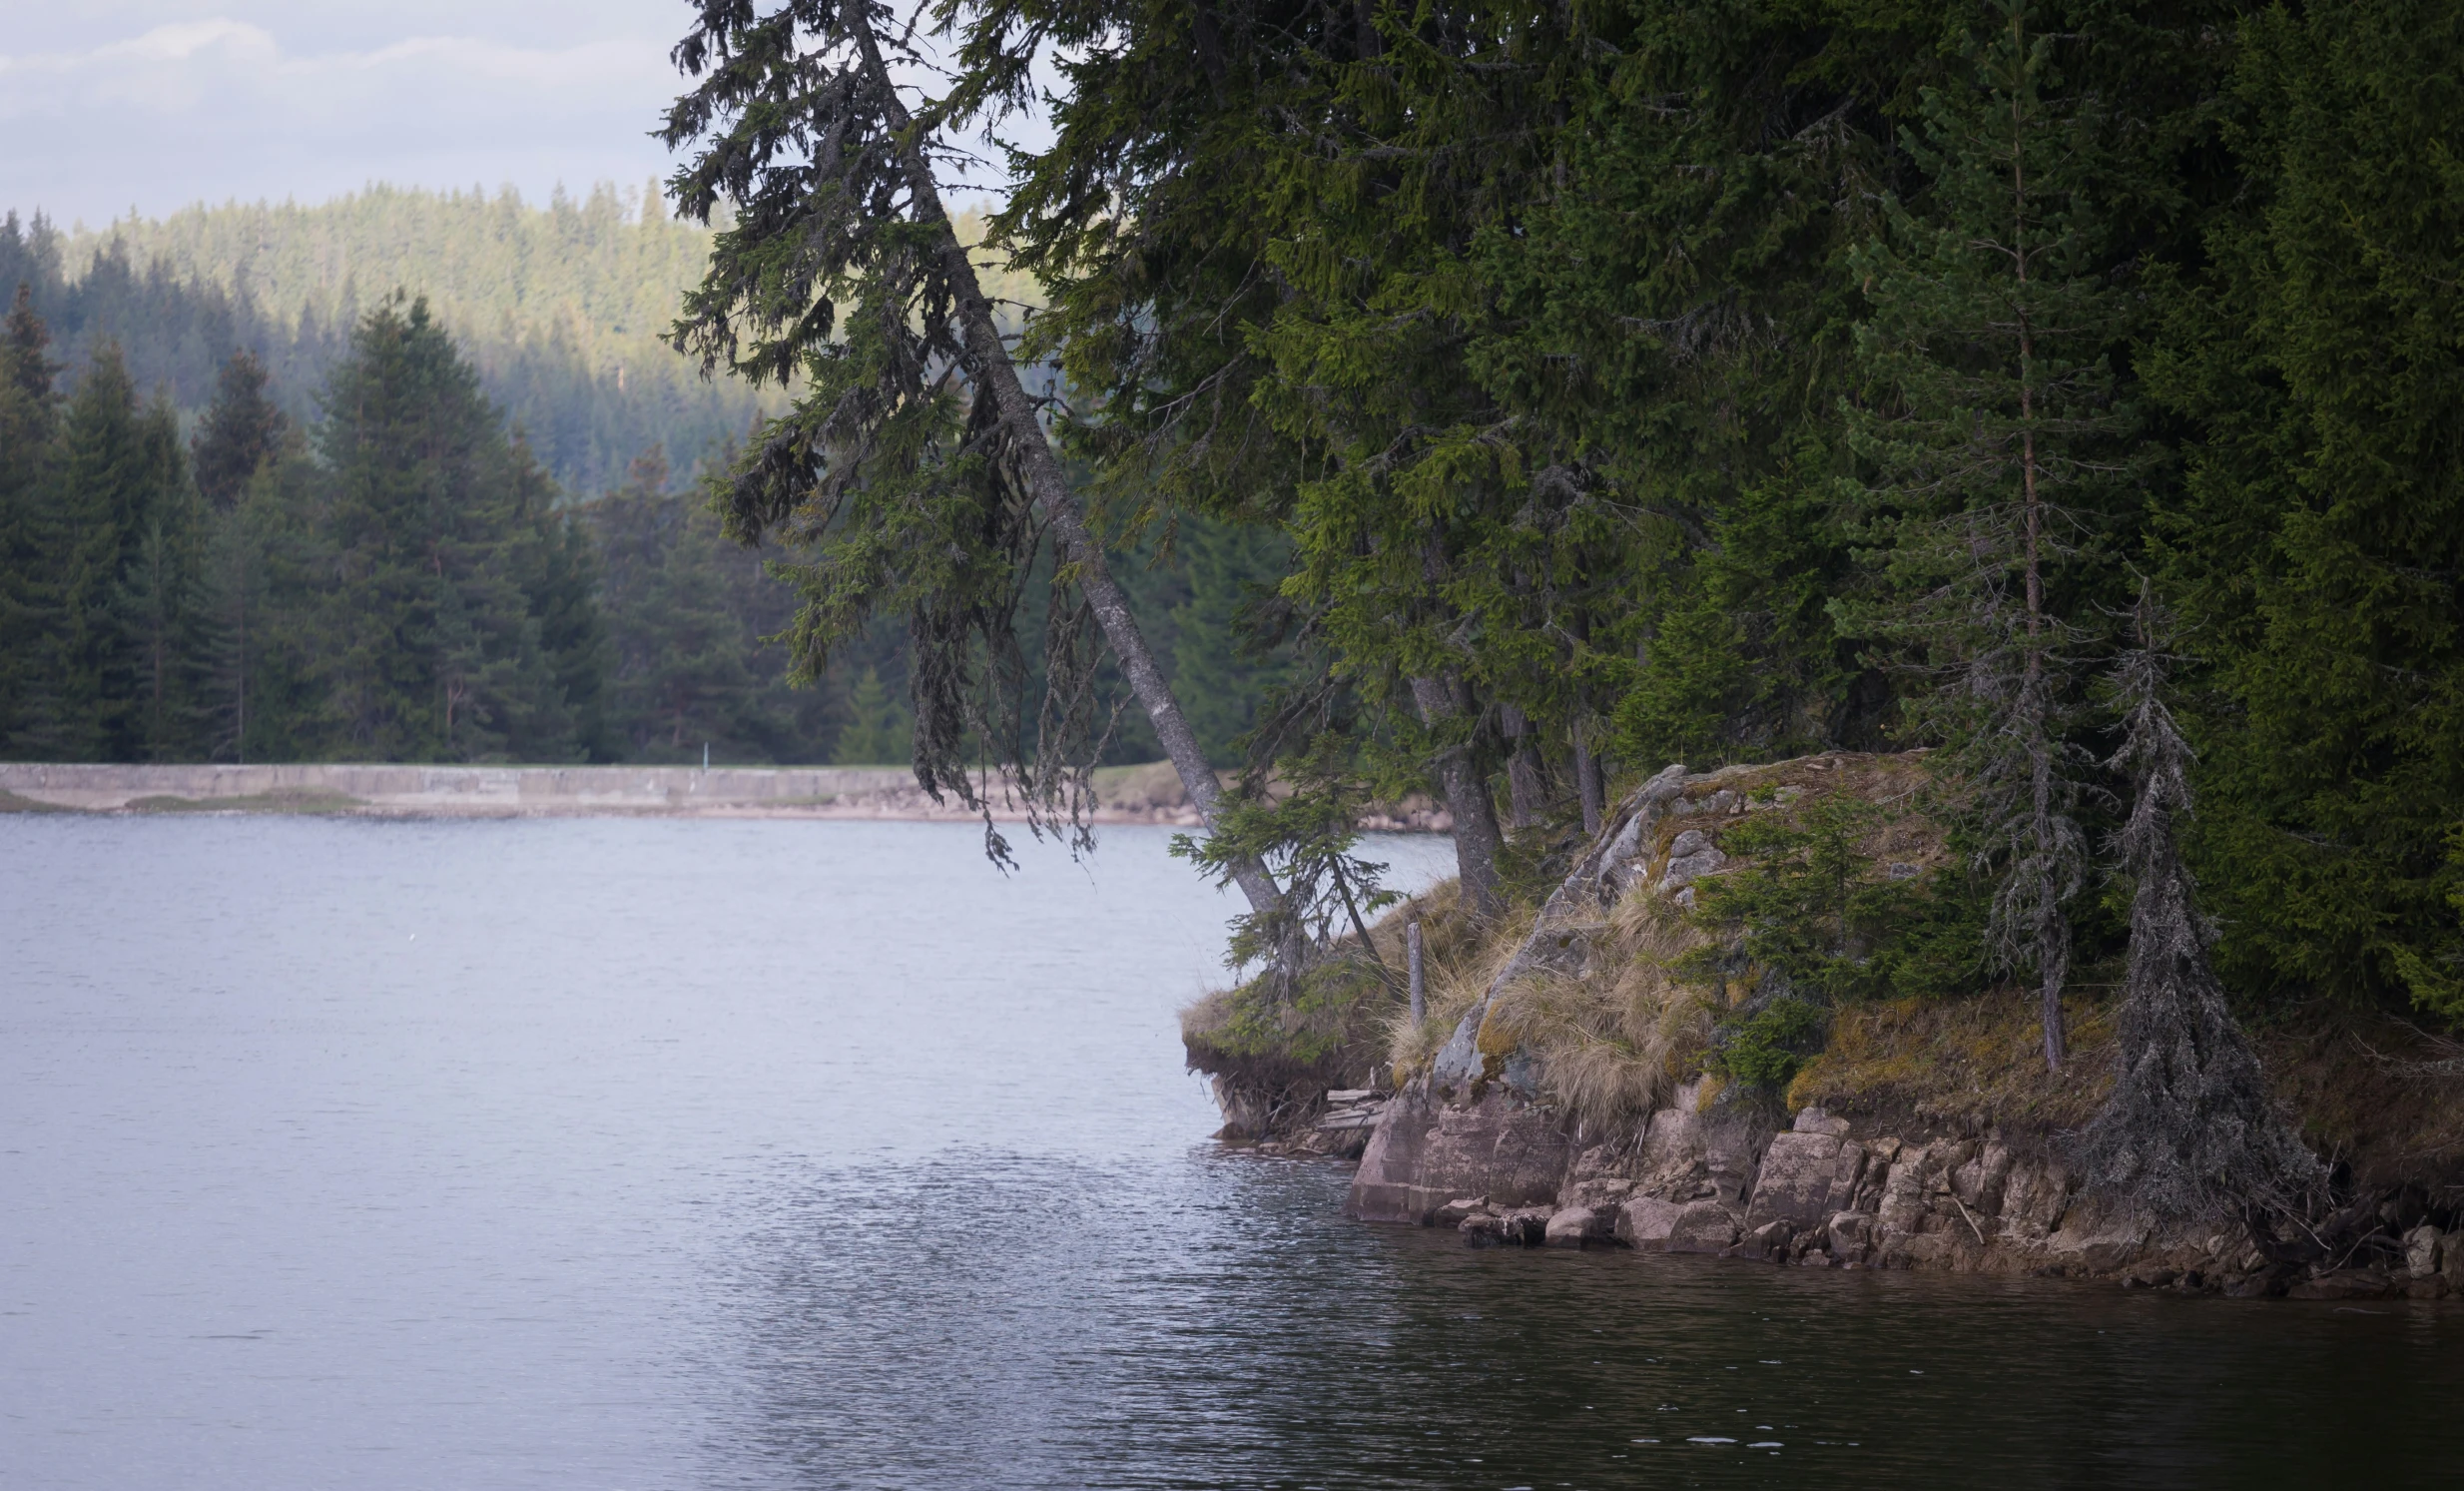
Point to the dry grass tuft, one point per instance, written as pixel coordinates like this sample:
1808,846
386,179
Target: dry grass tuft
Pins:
1614,1040
1462,960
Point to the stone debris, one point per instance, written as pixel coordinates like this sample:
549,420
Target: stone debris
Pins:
1577,1226
1690,858
1334,1122
1355,1109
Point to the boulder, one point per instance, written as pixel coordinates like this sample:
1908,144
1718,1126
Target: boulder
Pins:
1701,1228
2422,1248
1644,1222
1691,857
2262,1283
2098,1237
1979,1183
2034,1198
1815,1121
1850,1235
1453,1212
1912,1250
1577,1226
1526,1227
1905,1195
1804,1177
1424,1153
1768,1242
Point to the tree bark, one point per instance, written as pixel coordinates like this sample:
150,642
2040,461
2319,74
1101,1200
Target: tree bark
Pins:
2052,928
1476,840
1419,974
1587,781
998,377
1527,783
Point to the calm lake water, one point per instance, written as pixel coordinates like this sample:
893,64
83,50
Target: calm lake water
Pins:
653,1155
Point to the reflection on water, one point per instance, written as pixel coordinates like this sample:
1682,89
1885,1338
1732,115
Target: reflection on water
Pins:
1211,1322
654,1155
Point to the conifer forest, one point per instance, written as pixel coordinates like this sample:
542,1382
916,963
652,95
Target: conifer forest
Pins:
1496,401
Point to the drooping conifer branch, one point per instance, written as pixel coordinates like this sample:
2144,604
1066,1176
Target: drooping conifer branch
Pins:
916,469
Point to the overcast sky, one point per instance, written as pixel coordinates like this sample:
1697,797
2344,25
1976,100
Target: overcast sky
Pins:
109,105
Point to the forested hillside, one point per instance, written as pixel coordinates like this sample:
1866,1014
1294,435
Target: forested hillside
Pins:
559,308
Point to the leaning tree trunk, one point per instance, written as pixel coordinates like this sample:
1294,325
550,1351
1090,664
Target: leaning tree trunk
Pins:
996,376
1476,840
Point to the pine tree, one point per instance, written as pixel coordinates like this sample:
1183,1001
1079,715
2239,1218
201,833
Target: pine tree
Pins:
1995,438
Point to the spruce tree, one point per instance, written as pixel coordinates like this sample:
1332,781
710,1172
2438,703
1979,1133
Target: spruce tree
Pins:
915,471
29,579
119,478
874,734
1219,667
159,603
432,646
2190,1130
679,656
242,430
1996,440
2318,543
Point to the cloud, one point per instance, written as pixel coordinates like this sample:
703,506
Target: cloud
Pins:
216,108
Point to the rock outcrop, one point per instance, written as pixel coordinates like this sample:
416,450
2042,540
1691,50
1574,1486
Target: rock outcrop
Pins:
1820,1194
1476,1141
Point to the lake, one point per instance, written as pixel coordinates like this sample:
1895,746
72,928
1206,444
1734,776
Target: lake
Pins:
630,1154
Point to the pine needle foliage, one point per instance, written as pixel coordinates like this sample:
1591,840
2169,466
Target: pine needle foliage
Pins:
894,480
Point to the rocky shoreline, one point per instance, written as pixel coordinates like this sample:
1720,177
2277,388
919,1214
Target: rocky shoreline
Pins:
1819,1195
1912,1142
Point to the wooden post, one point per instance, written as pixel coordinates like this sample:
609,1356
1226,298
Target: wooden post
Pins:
1419,974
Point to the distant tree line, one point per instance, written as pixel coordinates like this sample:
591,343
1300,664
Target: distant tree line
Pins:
558,309
398,578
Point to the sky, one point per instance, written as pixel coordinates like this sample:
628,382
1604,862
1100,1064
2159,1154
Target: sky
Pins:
109,105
